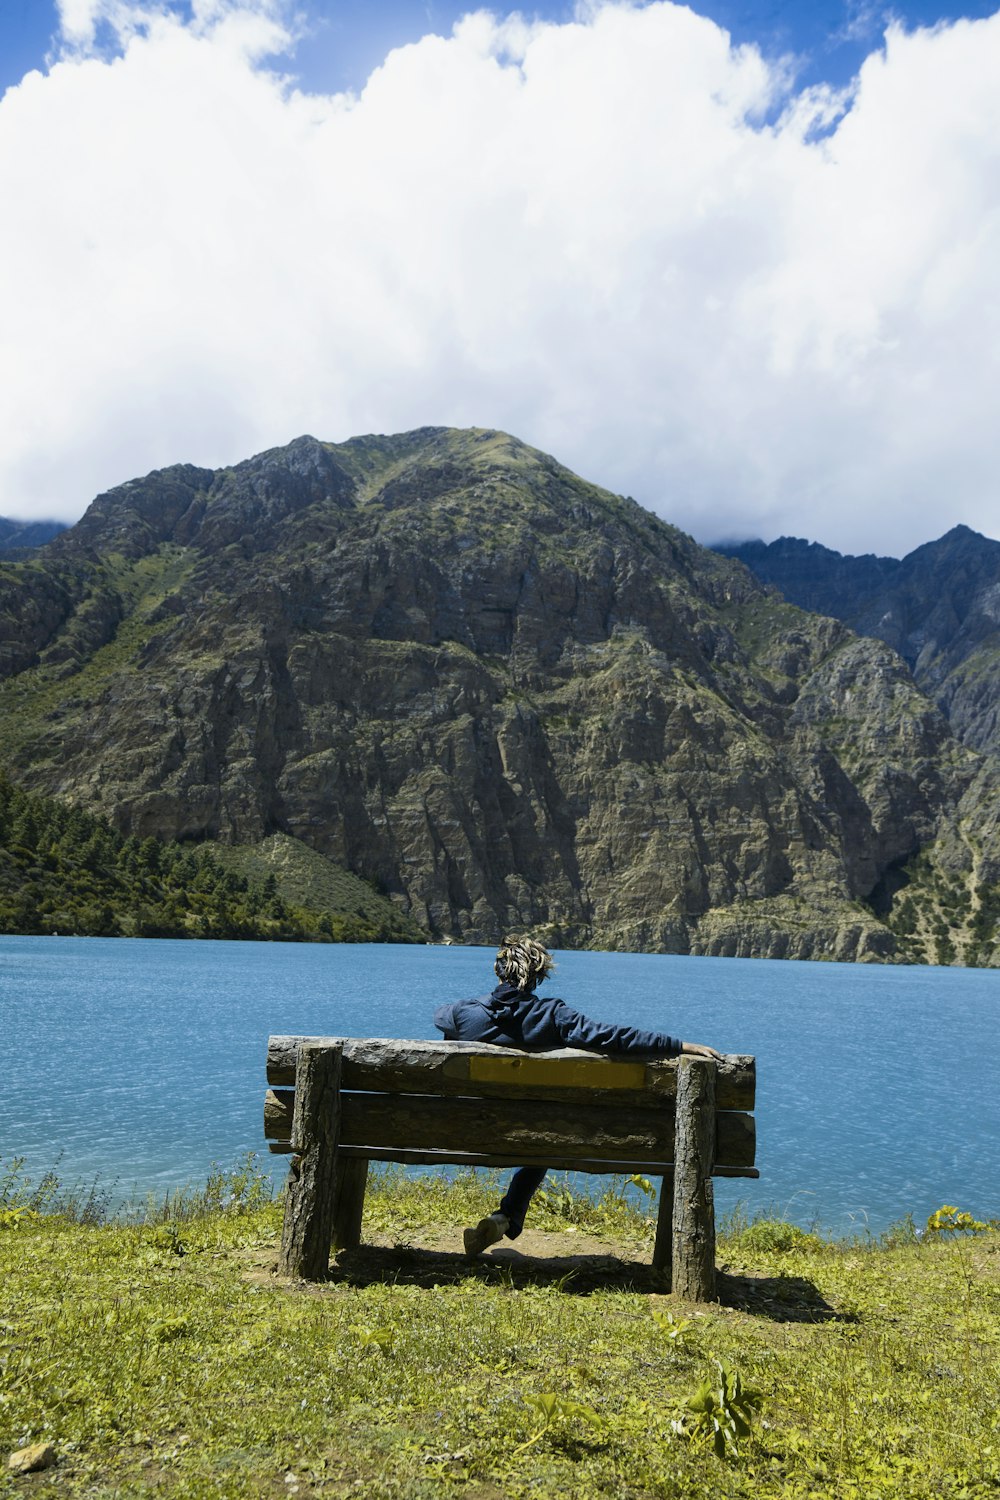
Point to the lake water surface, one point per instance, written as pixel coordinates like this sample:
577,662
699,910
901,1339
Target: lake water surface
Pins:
142,1061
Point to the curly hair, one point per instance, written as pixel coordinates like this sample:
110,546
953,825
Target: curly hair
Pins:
522,961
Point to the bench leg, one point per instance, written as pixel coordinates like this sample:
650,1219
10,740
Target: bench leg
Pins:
694,1200
663,1247
349,1184
309,1201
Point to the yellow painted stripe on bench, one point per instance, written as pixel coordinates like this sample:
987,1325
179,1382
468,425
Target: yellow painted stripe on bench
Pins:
558,1072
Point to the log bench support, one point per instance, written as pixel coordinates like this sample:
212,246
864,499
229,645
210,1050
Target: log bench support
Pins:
693,1209
663,1259
415,1102
350,1182
310,1197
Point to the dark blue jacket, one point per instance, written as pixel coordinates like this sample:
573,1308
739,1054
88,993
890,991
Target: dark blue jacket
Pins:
510,1017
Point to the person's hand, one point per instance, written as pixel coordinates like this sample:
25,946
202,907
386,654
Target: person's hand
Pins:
695,1049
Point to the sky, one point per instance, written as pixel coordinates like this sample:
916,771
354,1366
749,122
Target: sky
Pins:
740,261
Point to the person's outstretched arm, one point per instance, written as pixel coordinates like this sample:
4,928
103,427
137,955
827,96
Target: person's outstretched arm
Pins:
577,1030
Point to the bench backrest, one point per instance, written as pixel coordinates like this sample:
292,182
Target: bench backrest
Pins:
465,1102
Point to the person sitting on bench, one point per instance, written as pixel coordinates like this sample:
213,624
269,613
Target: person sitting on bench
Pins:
515,1016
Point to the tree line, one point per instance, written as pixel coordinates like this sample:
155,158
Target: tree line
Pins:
66,871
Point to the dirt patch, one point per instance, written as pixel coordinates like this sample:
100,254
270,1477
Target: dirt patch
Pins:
576,1262
531,1244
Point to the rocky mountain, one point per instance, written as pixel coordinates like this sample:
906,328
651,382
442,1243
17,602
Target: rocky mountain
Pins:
939,607
503,696
21,534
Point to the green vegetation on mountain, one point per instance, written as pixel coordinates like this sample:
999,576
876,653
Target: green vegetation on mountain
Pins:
942,916
304,878
165,1356
63,870
497,694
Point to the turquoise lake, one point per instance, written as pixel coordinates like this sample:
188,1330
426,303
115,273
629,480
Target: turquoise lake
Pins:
141,1061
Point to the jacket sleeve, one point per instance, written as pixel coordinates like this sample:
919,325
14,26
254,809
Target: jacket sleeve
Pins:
444,1020
577,1030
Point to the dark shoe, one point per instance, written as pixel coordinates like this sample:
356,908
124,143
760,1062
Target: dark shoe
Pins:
487,1232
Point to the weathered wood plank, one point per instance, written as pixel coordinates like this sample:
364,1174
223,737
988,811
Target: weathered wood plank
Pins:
499,1158
309,1199
586,1071
527,1125
453,1069
533,1129
693,1257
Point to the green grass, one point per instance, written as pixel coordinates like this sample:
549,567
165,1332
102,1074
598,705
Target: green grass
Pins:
164,1356
306,878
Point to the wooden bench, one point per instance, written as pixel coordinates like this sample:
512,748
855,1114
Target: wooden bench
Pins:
340,1102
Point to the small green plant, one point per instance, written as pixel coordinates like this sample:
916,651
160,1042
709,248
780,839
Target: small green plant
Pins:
374,1338
774,1235
951,1220
722,1410
11,1217
559,1199
551,1405
903,1232
239,1189
617,1211
675,1330
168,1237
166,1330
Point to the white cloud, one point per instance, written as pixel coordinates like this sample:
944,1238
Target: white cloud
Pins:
78,21
619,238
259,28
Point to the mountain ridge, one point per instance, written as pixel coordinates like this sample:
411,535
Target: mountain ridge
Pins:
22,535
500,694
939,607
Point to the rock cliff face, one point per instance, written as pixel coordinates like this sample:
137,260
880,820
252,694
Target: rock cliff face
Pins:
508,698
939,607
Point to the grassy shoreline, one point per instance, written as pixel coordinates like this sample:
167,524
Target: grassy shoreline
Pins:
166,1357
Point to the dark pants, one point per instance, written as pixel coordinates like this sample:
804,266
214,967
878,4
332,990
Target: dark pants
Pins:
514,1203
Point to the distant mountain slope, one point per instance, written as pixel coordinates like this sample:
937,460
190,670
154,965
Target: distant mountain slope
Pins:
503,696
939,607
811,575
65,871
18,534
